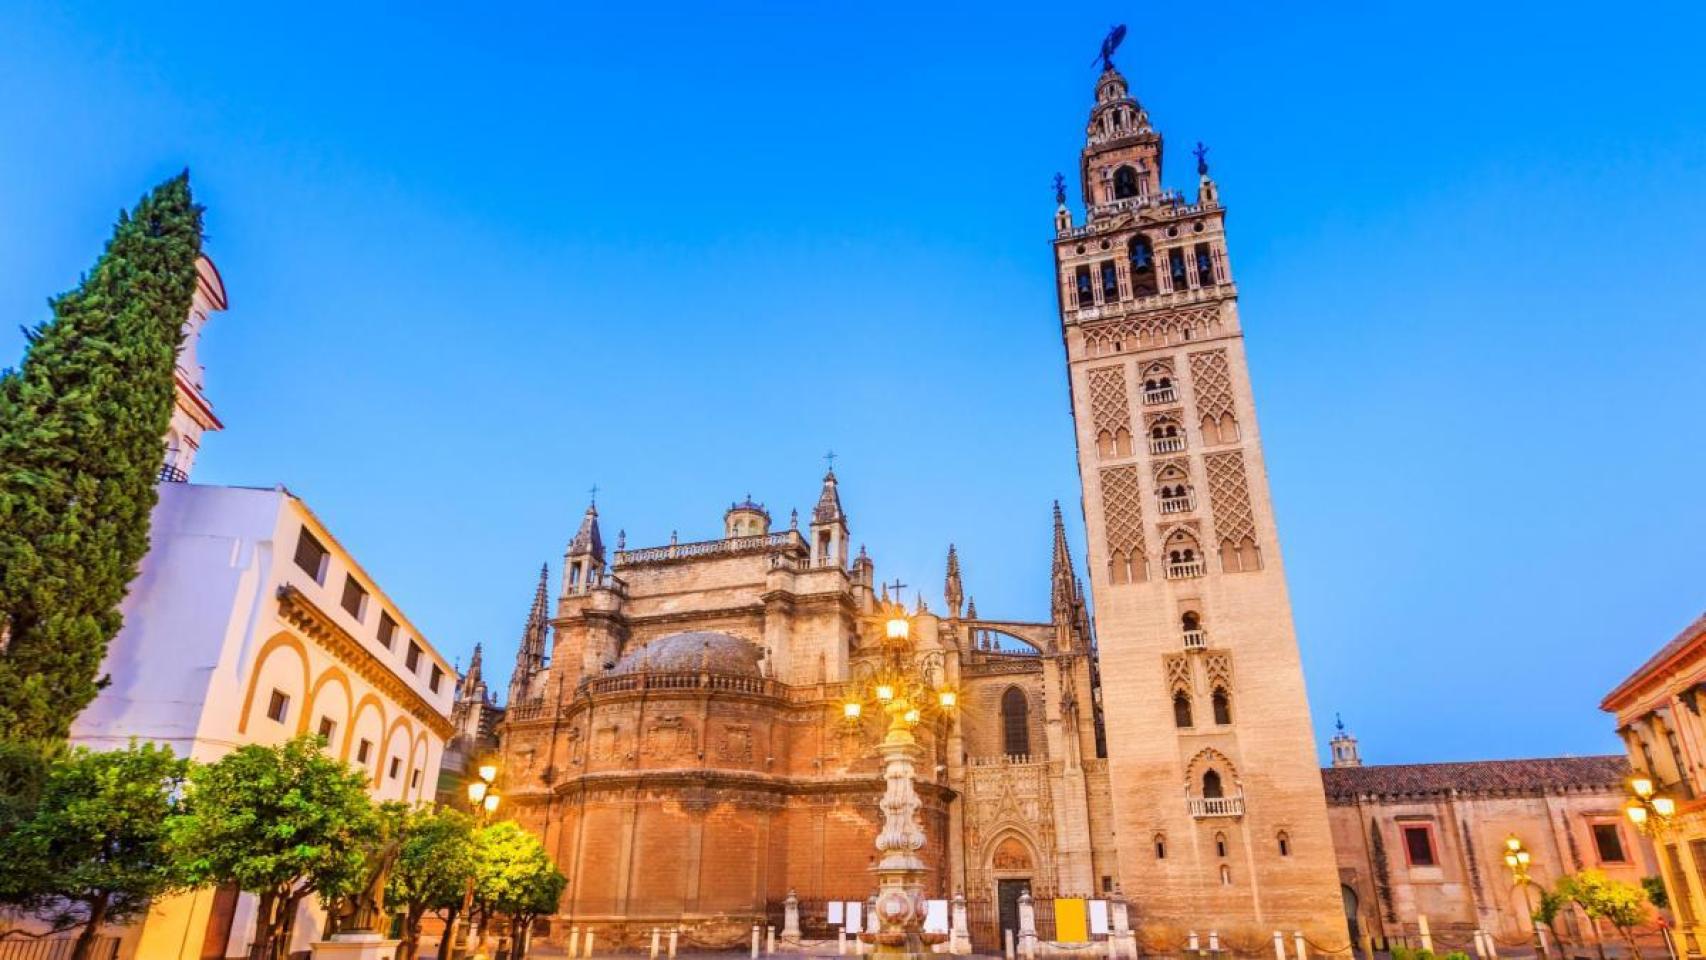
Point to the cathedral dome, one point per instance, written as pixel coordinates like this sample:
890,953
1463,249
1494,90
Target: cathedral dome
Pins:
692,652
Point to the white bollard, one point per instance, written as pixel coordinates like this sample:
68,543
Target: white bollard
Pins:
574,941
1214,941
1009,953
656,942
1427,935
1492,946
588,942
1194,946
673,934
755,941
1279,945
841,942
769,940
1302,951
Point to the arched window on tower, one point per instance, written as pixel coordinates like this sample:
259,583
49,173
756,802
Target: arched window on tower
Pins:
1160,846
1211,788
1222,704
1182,712
1125,183
1205,265
1220,844
1166,437
1083,289
1176,269
1110,282
1015,723
1142,261
1284,844
1191,626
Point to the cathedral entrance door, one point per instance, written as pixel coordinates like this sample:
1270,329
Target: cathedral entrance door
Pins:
1007,898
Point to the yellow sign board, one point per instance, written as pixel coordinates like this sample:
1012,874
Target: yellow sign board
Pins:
1071,921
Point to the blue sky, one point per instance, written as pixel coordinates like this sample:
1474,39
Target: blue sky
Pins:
481,262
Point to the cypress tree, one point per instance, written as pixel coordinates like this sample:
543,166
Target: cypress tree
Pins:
83,422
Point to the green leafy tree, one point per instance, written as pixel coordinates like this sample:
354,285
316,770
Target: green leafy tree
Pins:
515,879
283,823
1656,894
435,860
82,426
94,850
1623,905
1546,912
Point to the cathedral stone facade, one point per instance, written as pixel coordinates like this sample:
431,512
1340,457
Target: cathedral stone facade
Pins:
675,729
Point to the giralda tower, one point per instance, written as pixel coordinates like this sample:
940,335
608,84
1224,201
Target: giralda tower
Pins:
1217,799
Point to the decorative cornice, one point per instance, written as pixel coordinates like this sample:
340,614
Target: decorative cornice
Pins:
296,609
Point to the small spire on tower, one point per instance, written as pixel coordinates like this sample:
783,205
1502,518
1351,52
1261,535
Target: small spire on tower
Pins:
953,591
530,656
587,540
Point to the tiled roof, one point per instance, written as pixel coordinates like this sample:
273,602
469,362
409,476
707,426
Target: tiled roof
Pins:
1679,643
1541,775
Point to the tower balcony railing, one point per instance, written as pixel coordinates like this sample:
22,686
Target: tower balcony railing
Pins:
1160,395
1184,570
1183,504
707,548
1195,640
1205,807
1166,444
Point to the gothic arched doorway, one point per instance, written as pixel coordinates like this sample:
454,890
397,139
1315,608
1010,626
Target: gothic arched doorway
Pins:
1351,912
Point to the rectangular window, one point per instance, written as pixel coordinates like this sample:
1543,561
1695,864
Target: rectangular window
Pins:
327,728
1110,282
1419,846
414,779
413,659
387,629
311,556
1608,841
363,751
278,707
437,678
355,598
396,767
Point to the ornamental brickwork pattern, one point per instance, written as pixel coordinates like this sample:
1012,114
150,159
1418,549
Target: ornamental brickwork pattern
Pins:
1151,329
1229,495
1122,510
1110,408
1211,379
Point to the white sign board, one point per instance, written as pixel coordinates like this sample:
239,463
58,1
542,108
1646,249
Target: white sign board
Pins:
1098,917
855,912
936,916
834,913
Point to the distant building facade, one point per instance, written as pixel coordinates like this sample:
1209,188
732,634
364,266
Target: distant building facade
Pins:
1658,717
248,622
1428,839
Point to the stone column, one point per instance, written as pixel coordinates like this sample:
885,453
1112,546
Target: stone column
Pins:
1122,933
959,938
1027,926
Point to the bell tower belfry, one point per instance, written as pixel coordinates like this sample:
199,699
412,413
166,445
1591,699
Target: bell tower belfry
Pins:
1218,806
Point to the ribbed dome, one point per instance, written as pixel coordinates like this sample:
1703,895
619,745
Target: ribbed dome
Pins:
692,652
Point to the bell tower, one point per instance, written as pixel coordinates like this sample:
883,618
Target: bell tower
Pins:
1217,798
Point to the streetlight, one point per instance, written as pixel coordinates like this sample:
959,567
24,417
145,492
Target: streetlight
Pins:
1517,858
1649,810
907,684
483,798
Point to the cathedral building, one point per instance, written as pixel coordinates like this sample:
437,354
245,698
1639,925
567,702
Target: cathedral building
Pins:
675,729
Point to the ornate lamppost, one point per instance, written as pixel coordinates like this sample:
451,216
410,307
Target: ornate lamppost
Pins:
483,797
1649,810
907,684
1517,858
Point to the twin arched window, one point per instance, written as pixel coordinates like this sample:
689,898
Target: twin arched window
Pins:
1015,723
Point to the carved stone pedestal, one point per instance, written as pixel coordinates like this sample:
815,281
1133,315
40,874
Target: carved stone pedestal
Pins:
358,945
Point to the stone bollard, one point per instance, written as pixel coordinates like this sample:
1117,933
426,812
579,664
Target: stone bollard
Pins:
1297,940
574,941
1214,941
1279,946
1122,925
674,932
1193,946
1427,936
769,940
1008,935
1492,945
1367,944
791,921
588,943
1027,926
841,941
959,928
656,942
755,941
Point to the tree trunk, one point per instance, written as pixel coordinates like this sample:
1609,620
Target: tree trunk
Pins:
444,944
411,932
261,948
86,940
1629,935
287,924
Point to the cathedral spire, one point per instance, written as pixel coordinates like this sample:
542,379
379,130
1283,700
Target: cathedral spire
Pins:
829,526
1064,587
953,591
583,561
530,656
471,681
587,541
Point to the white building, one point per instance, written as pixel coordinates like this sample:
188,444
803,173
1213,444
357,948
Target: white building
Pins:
249,623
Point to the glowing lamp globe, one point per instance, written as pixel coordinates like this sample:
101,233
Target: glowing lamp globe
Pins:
1664,806
897,627
488,772
850,710
885,692
491,803
477,791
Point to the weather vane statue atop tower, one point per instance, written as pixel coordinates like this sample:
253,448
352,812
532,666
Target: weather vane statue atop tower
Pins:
1110,43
